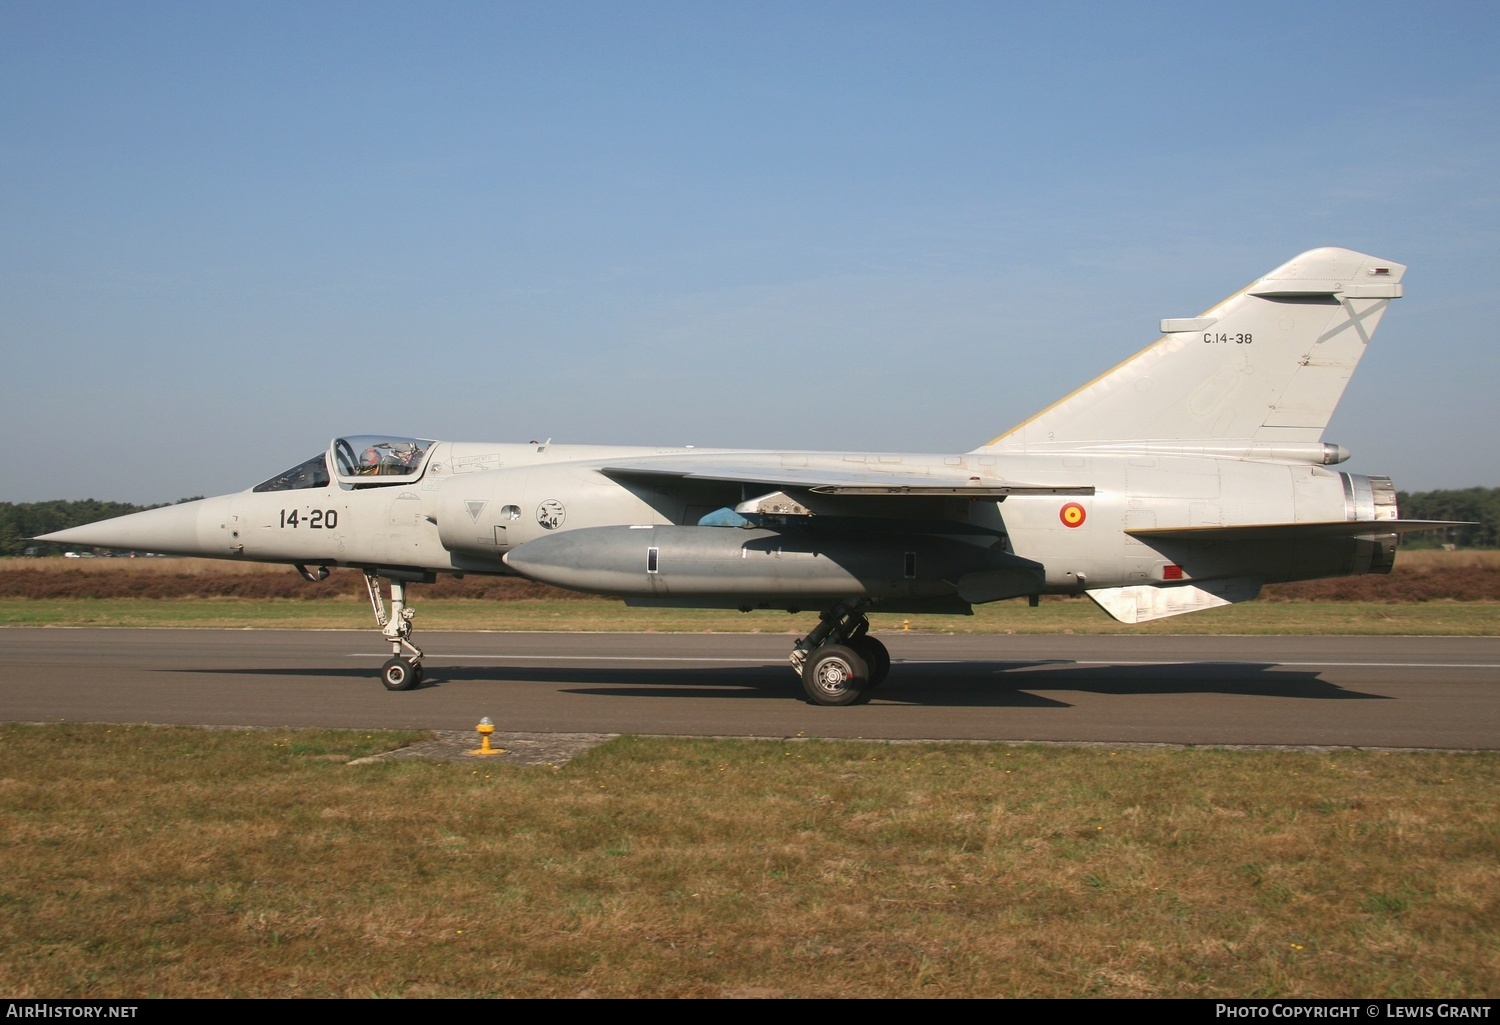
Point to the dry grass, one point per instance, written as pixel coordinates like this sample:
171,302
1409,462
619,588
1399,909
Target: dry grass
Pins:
175,862
1428,560
1420,575
1430,593
145,566
50,579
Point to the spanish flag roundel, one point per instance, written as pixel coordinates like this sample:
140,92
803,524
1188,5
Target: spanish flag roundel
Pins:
1073,515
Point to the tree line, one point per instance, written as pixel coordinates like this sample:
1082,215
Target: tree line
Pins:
20,521
1481,505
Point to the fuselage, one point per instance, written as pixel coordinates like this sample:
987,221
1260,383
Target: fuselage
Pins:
463,507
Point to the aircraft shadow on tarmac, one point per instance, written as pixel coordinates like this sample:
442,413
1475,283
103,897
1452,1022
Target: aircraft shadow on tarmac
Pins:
948,684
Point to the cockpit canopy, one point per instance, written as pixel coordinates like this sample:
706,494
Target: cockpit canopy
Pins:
310,474
373,459
362,461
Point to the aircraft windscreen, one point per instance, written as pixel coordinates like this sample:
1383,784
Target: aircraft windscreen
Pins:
310,474
375,456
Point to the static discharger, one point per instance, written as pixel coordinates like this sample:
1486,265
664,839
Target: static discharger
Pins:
484,729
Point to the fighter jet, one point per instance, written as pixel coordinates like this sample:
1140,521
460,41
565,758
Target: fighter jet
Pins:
1183,479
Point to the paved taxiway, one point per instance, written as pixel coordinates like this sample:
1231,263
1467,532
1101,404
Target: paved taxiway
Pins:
1362,691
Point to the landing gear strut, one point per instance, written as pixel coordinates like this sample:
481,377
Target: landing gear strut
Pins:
839,662
400,672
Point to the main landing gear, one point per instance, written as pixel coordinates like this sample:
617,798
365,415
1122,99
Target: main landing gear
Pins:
839,662
400,672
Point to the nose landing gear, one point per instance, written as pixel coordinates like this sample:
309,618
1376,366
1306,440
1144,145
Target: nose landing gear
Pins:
839,662
400,672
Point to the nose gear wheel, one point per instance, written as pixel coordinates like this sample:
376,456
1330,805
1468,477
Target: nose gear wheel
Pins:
401,671
401,674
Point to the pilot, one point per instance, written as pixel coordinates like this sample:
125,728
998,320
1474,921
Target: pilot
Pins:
386,459
373,462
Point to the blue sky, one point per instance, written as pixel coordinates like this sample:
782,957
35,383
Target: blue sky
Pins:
229,232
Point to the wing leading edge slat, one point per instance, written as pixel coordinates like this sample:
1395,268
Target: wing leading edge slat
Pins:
864,483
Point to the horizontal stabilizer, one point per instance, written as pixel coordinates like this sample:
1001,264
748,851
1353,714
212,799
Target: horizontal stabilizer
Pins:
1294,531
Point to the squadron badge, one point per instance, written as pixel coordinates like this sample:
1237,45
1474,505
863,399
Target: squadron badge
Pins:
550,514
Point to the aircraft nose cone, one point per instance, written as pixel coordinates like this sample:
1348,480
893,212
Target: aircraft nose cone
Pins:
171,530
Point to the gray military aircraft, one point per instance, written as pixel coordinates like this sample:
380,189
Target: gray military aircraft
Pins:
1183,479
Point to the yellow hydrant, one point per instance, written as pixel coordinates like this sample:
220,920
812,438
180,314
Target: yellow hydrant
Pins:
484,729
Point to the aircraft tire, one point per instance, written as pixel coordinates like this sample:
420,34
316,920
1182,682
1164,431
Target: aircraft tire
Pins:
835,675
876,656
399,674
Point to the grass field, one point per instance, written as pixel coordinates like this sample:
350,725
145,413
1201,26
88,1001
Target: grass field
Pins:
1078,616
178,862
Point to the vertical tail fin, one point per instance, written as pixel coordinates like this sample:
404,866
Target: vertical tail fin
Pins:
1262,370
